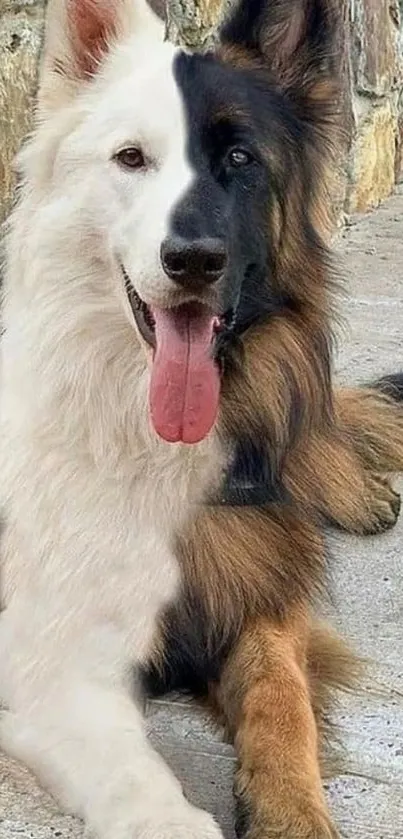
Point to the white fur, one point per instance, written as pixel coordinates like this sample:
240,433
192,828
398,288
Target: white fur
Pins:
91,498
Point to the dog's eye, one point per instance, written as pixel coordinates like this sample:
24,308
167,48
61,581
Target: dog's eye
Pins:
130,158
238,157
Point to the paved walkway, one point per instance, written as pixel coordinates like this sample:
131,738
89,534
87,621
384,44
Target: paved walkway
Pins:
368,802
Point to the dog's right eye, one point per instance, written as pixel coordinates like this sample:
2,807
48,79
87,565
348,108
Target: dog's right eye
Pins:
130,158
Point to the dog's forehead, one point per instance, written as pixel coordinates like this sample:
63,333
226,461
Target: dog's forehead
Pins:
210,87
137,99
163,88
147,81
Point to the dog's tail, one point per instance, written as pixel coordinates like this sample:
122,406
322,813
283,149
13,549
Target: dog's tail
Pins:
392,386
373,418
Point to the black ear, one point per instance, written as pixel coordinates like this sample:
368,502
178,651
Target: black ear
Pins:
295,37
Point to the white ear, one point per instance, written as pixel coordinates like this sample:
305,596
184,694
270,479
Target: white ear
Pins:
78,34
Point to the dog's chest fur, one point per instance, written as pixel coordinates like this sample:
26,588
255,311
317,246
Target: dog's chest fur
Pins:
88,482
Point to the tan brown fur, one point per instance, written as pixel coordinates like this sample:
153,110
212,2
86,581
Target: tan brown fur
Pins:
266,697
235,589
374,424
288,357
341,471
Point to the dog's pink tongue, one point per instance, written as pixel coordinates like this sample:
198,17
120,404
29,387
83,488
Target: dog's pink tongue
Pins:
185,382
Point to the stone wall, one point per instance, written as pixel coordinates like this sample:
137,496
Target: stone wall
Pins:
371,56
20,40
376,87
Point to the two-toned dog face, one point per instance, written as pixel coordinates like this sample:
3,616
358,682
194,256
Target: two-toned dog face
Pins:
181,161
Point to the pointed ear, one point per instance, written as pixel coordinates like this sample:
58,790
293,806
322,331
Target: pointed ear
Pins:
78,35
296,38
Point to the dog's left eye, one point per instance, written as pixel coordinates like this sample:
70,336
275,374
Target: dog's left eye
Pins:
130,158
238,157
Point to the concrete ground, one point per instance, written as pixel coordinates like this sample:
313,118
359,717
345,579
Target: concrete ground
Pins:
368,608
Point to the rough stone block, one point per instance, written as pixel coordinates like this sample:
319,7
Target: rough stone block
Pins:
374,158
20,40
375,37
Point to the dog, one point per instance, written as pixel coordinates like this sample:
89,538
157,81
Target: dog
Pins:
170,438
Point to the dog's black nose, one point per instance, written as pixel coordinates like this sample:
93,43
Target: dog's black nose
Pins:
193,263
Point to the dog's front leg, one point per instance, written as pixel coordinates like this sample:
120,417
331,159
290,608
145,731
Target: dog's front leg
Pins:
265,698
67,677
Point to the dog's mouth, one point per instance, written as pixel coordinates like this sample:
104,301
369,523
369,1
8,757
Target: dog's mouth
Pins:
185,374
145,319
142,314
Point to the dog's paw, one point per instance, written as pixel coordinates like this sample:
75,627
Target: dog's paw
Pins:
318,826
280,819
200,829
384,505
184,823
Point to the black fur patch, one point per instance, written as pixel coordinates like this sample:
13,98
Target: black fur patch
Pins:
243,815
194,651
392,386
251,479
